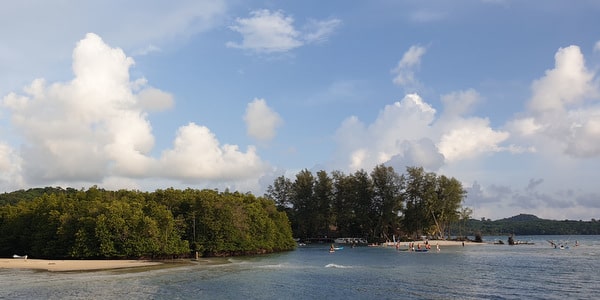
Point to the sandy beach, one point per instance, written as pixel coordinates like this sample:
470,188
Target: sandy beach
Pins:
71,265
448,243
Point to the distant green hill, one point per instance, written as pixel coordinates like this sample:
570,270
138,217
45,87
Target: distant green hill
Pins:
522,218
526,224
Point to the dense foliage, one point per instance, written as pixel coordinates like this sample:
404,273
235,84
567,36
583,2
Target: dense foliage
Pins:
374,206
67,223
531,225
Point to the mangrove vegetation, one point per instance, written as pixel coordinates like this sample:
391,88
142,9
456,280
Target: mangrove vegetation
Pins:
96,223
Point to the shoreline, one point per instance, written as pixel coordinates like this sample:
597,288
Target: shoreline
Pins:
73,265
433,243
114,264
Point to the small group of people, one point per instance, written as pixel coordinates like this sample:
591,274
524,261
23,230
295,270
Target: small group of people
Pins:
427,245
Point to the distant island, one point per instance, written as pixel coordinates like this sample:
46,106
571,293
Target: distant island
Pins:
65,223
527,224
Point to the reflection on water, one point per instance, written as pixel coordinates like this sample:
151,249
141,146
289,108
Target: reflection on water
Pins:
472,272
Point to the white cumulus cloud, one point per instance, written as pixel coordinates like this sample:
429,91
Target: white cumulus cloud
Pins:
460,103
198,155
408,133
261,120
364,146
563,112
470,138
464,136
87,127
95,129
569,83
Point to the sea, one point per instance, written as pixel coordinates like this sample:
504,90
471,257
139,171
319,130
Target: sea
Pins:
535,270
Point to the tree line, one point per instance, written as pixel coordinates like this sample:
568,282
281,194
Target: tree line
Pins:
375,206
96,223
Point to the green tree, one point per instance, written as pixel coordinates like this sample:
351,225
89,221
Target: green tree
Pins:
361,197
445,206
419,187
343,214
323,198
304,205
387,200
281,192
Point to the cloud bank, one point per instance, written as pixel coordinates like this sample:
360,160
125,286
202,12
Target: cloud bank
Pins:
409,133
560,123
563,112
95,128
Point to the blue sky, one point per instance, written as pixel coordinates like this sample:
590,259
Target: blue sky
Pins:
502,95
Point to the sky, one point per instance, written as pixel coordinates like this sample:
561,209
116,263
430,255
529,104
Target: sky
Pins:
228,94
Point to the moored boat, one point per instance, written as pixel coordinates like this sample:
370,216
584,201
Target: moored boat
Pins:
355,241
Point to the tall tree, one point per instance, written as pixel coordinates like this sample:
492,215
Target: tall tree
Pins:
362,197
343,214
323,197
281,192
387,200
444,207
303,204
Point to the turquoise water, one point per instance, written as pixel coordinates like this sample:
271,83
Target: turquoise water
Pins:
473,272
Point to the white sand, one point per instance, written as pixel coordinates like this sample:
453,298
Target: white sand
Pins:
71,265
433,243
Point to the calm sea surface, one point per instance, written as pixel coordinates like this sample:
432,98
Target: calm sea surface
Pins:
473,272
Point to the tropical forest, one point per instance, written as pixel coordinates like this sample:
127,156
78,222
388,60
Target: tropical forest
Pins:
96,223
377,206
55,222
382,205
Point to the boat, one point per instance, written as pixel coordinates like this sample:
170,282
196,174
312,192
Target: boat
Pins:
20,257
559,246
421,250
333,249
350,241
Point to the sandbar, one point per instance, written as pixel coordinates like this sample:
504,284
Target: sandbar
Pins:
447,243
433,243
72,265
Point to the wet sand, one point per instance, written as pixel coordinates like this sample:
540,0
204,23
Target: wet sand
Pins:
72,265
